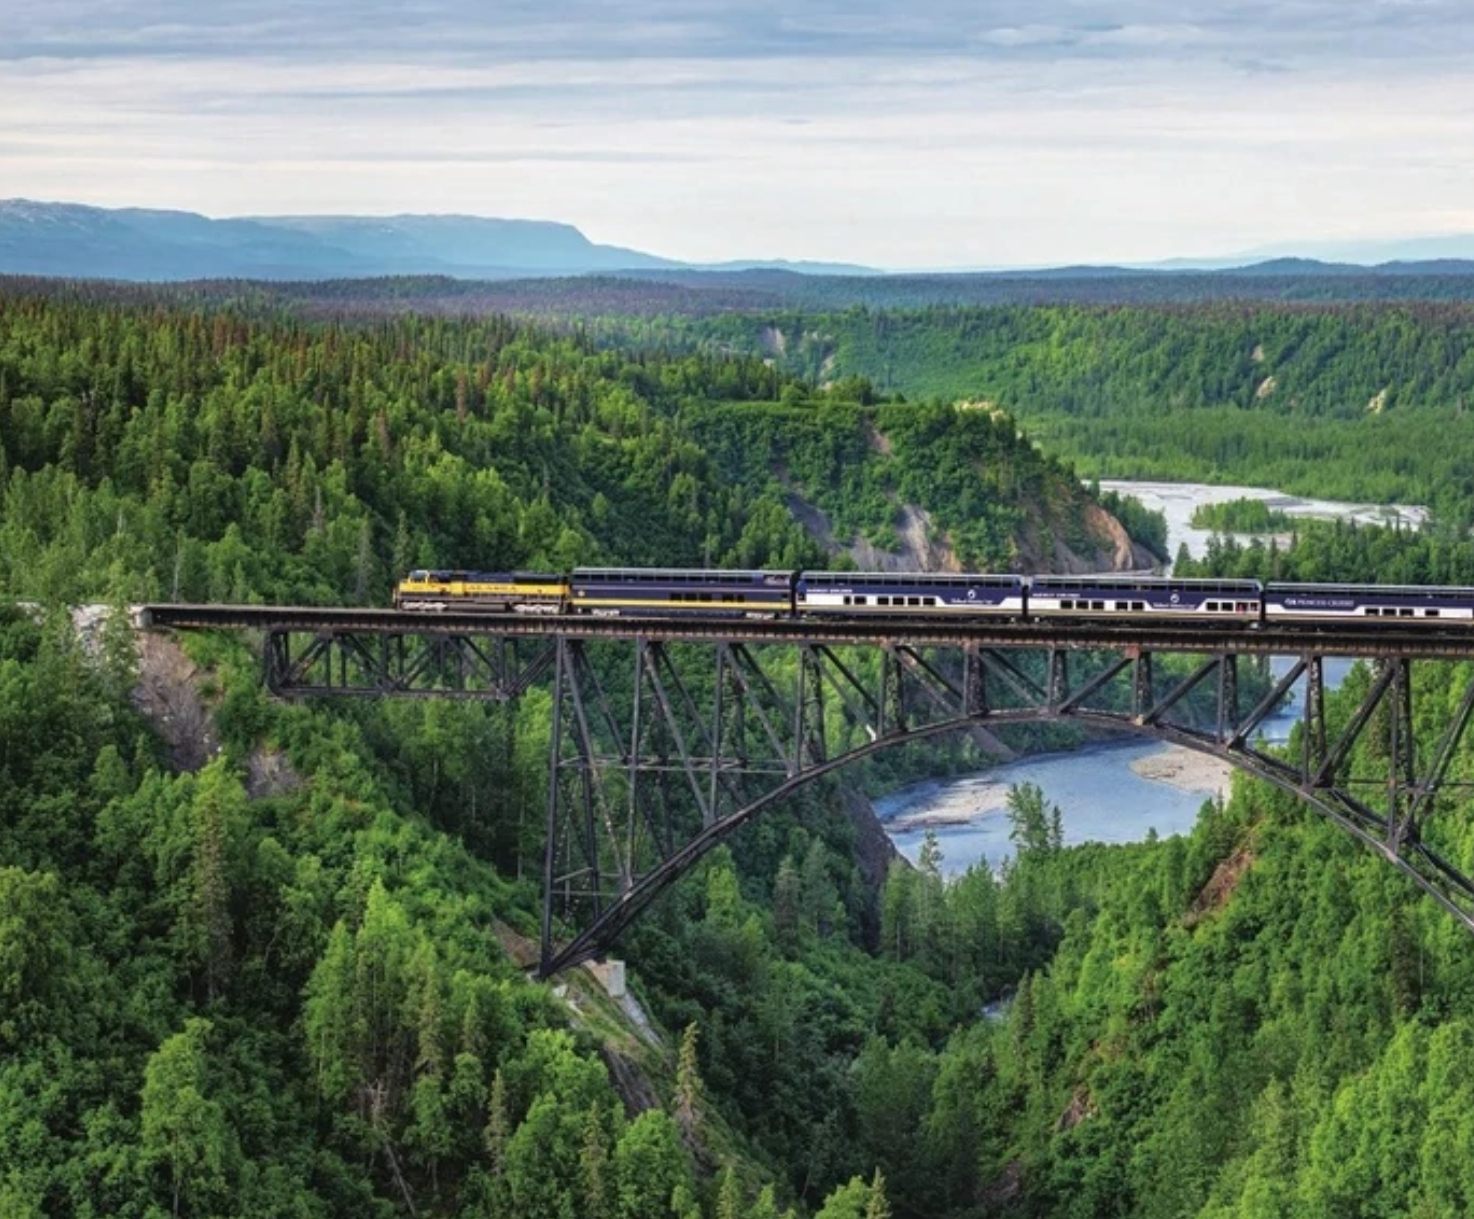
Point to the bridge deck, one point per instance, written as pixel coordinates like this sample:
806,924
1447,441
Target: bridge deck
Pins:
1355,640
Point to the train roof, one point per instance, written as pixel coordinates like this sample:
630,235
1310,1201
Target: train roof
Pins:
959,577
473,575
1452,590
1112,580
683,573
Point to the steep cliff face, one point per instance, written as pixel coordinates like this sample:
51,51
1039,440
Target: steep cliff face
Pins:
1109,548
1098,541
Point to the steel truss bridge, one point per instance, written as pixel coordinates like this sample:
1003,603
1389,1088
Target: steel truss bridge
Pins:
670,734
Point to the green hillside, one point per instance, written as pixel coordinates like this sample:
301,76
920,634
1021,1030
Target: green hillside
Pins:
1365,403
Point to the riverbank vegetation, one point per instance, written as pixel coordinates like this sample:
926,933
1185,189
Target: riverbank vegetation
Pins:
1242,516
1332,551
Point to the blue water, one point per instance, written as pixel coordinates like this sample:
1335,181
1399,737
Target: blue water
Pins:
1101,799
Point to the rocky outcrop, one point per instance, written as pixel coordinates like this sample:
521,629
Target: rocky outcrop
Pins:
170,693
1041,548
923,547
179,698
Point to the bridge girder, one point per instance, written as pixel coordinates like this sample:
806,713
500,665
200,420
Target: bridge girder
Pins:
668,737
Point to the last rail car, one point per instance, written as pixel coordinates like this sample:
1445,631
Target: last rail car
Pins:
1406,605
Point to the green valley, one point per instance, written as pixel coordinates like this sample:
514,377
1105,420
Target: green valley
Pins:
286,974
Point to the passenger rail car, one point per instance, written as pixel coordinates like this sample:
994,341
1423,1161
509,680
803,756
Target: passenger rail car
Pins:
486,592
1404,604
859,594
1105,596
667,591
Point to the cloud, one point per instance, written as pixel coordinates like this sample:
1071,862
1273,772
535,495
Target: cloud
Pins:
435,31
934,132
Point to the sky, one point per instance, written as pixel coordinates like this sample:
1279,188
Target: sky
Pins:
898,134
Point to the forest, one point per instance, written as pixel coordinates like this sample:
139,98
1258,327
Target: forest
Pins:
287,982
1356,402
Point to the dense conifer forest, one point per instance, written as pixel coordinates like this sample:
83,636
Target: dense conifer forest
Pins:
1357,402
284,982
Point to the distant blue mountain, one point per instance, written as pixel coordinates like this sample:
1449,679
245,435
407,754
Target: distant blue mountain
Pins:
465,246
67,239
77,241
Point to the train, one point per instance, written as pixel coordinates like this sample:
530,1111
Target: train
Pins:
666,592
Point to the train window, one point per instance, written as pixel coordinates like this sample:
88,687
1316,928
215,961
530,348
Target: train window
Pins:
1430,613
882,600
1405,612
1066,604
913,600
929,600
849,600
1097,605
1139,606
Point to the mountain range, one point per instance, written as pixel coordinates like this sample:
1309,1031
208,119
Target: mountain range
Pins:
78,241
74,240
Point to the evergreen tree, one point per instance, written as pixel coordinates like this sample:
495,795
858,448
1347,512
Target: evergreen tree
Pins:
688,1084
185,1131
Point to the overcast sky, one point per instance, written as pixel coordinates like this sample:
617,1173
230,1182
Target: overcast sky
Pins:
899,133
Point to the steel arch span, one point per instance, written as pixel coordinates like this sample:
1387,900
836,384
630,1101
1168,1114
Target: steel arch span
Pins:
636,799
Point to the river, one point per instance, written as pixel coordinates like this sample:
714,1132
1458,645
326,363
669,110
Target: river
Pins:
1104,792
1112,792
1176,501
